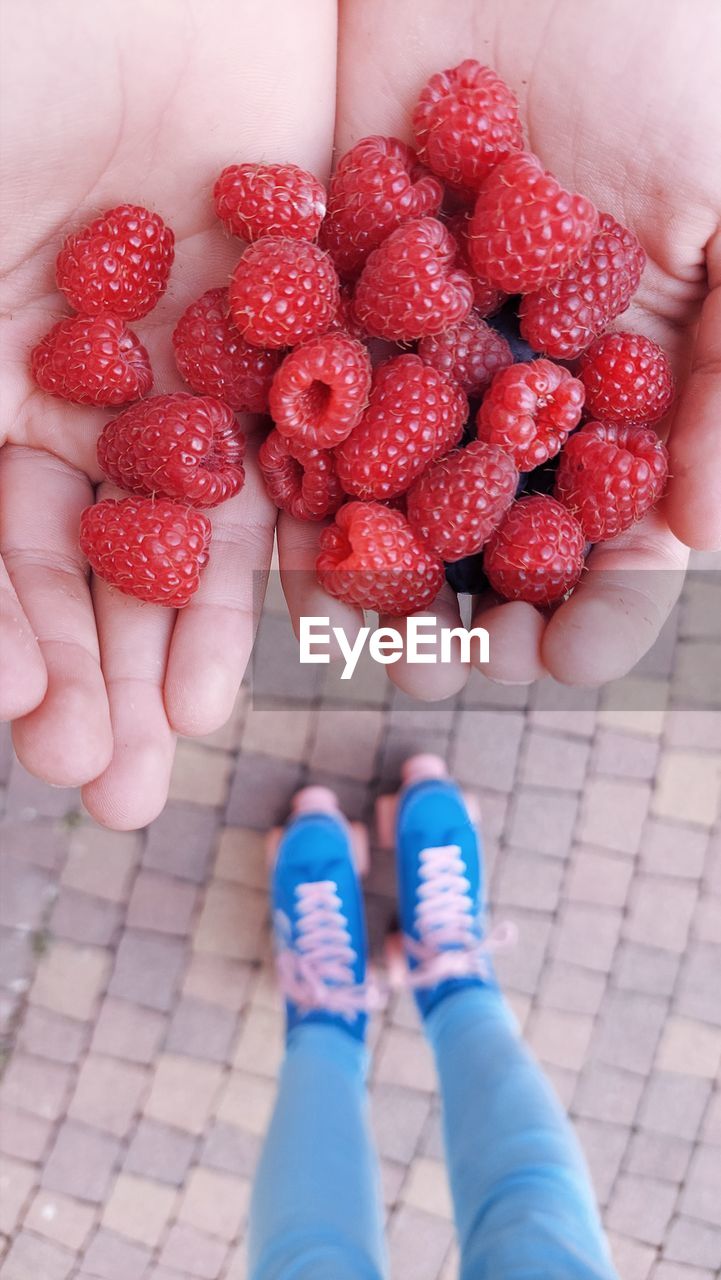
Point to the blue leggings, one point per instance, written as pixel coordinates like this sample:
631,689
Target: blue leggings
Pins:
523,1203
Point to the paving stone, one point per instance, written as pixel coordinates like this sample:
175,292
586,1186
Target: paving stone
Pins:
17,961
42,841
81,1163
201,1030
674,1104
600,879
525,880
621,755
398,1118
605,1093
543,822
560,1039
31,1256
645,969
139,1208
183,1092
660,911
700,1195
112,1257
232,921
688,787
161,904
486,747
108,1094
28,797
563,1082
159,1152
699,990
247,1102
693,728
658,1155
180,841
101,862
60,1218
241,858
629,1030
278,731
603,1147
587,936
261,1045
17,1182
127,1030
199,774
36,1085
77,917
404,1058
571,988
707,921
418,1243
22,1135
693,1242
677,1271
550,760
690,1046
27,891
633,1260
49,1035
711,1131
346,742
69,980
613,814
193,1252
217,980
147,969
260,794
231,1150
672,849
641,1207
392,1178
215,1203
426,1187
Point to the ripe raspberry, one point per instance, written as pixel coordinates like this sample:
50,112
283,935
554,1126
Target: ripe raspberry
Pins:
466,121
457,503
179,446
414,416
609,477
300,481
628,379
526,230
563,317
536,553
283,292
321,389
487,299
470,352
409,286
215,361
371,557
151,550
377,185
254,200
119,263
529,410
92,360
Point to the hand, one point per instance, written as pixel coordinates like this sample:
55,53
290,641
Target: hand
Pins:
111,103
622,103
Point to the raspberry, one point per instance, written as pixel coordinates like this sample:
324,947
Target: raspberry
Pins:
529,410
254,200
377,185
486,297
179,446
609,477
414,416
457,503
371,557
470,352
628,379
409,286
563,317
525,229
119,263
92,360
215,361
466,121
152,550
300,481
321,389
536,553
283,292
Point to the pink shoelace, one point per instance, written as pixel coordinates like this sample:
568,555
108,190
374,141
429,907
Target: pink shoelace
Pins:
448,945
316,971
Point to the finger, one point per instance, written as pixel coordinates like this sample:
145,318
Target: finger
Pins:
619,607
515,634
23,674
134,641
67,738
693,504
214,634
298,544
430,681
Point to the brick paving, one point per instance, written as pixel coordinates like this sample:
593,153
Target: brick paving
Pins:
142,1029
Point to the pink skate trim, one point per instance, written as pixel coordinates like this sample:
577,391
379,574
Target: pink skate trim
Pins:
422,767
315,800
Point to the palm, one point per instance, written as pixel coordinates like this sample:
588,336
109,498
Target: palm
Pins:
109,682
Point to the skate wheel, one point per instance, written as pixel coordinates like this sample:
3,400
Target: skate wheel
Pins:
422,767
360,845
473,806
386,807
395,960
272,840
315,800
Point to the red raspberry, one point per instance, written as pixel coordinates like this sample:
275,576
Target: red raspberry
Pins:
300,481
529,410
563,317
254,200
179,446
377,186
536,553
152,550
526,230
457,503
119,263
215,361
371,557
487,299
471,352
283,292
409,286
609,477
414,416
92,360
321,389
628,379
466,121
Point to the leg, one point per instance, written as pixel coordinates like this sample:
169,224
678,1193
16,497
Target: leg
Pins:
316,1208
522,1196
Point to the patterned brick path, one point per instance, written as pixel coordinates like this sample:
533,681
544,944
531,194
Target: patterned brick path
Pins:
142,1028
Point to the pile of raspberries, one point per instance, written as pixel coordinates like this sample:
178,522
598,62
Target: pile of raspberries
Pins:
358,320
